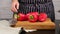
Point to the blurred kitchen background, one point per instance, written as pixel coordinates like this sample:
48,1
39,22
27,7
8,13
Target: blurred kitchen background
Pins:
6,13
5,9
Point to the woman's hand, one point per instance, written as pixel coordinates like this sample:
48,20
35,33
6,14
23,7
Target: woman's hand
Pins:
15,6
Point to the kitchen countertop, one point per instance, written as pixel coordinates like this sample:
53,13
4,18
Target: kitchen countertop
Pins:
6,29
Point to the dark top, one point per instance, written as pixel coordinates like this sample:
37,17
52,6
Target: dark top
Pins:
34,1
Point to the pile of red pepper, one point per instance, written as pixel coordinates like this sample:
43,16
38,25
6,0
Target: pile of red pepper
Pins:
32,17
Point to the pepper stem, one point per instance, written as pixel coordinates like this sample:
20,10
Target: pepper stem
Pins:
15,16
31,17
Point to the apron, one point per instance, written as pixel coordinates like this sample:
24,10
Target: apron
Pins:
46,6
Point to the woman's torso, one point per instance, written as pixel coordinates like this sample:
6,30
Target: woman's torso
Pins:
46,6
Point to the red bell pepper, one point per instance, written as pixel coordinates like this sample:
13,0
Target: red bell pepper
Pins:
36,13
42,17
32,17
21,17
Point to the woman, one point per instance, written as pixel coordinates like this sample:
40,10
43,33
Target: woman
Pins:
26,6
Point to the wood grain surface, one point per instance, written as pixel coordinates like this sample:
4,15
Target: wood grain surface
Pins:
37,25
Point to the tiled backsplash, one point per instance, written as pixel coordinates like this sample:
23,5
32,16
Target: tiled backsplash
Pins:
6,13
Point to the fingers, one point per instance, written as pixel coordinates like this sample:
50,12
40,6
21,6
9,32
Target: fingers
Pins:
17,6
14,7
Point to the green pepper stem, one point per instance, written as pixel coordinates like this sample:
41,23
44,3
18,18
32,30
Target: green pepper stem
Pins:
31,17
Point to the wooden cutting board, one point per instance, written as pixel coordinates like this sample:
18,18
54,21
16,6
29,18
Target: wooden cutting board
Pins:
37,25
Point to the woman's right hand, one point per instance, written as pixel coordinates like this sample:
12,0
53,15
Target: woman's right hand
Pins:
15,6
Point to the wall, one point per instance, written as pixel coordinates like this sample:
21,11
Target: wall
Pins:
5,12
57,8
